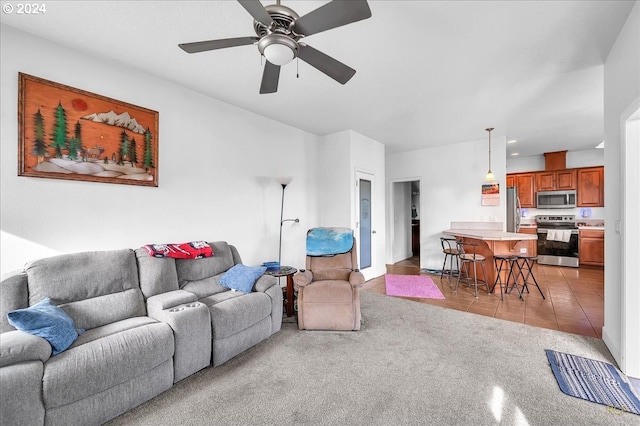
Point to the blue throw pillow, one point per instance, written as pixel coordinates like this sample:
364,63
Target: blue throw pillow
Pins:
47,321
241,277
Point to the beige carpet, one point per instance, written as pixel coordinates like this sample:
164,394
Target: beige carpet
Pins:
411,364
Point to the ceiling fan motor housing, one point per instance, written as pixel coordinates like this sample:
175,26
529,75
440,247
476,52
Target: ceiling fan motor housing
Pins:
278,41
283,19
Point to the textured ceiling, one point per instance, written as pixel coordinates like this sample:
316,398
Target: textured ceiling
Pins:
429,73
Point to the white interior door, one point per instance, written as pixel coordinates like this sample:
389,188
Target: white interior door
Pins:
364,223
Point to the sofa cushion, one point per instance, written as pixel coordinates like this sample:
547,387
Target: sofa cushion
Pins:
94,288
241,277
329,291
106,357
156,275
14,294
336,267
47,321
204,287
232,311
198,269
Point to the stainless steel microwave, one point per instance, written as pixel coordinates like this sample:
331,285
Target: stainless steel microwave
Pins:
556,199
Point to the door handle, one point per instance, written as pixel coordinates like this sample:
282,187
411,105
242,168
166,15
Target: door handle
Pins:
373,232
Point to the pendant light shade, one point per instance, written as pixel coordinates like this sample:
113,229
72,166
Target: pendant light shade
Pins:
489,177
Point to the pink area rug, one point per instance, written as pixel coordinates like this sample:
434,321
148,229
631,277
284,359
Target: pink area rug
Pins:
412,286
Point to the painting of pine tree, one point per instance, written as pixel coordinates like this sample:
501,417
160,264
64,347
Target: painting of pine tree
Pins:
59,136
39,145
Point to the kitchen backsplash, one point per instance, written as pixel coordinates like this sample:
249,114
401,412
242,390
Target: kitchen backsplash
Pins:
580,213
585,216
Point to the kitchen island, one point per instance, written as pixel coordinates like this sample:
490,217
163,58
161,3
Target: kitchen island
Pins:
492,242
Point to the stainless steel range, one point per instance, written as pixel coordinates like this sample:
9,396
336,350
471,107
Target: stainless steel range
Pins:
557,240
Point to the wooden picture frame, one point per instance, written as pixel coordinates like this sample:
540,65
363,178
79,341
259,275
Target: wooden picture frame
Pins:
68,133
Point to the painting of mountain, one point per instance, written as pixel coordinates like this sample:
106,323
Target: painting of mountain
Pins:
113,119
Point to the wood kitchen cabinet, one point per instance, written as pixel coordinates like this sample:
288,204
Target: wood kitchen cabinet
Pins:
591,187
591,247
556,180
530,231
525,184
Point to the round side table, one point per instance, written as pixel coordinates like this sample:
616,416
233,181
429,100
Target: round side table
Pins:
286,271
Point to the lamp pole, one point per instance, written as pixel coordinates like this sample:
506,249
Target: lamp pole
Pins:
284,185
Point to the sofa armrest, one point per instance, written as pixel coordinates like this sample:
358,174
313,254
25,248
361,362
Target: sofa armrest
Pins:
302,278
356,279
17,346
190,322
264,283
158,303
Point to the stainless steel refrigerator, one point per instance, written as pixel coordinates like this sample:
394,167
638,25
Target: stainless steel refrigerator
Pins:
513,210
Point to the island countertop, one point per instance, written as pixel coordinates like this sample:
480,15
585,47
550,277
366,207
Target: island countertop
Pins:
490,235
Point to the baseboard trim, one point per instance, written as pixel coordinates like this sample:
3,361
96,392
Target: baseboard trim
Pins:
613,348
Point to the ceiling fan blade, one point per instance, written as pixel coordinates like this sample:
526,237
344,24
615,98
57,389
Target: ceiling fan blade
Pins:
331,67
332,15
257,10
203,46
270,78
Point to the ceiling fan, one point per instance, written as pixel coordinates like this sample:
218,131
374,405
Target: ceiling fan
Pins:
279,30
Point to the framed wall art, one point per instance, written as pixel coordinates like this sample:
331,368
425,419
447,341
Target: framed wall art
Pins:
68,133
490,194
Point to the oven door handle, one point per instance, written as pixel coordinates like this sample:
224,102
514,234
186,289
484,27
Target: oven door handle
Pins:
544,231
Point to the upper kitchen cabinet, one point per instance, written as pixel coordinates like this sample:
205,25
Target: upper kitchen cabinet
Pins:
591,187
556,180
525,184
510,181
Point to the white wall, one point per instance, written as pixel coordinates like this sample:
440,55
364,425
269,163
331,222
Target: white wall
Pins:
575,159
621,91
334,157
216,169
450,188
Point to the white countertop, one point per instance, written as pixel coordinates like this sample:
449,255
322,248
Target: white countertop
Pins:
490,235
594,228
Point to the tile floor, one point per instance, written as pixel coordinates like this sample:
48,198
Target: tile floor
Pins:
574,298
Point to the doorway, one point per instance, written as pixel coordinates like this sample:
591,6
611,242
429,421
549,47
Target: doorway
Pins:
405,220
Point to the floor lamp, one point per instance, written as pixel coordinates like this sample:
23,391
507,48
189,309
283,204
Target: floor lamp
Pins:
284,181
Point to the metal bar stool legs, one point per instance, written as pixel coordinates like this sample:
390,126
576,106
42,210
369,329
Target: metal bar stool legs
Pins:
467,258
525,264
500,261
450,251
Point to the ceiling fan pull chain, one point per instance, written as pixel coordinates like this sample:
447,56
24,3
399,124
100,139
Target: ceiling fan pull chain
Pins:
297,67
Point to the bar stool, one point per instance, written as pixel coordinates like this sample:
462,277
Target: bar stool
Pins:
450,250
525,264
469,256
500,261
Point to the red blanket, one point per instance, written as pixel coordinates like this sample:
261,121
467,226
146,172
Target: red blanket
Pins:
192,250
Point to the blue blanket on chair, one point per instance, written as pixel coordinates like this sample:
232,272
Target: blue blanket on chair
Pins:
329,241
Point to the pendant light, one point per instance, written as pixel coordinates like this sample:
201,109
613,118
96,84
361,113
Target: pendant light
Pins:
489,177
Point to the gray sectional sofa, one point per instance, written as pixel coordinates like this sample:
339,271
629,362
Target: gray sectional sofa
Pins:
149,323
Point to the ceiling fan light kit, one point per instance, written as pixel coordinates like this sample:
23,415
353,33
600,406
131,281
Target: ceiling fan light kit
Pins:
278,49
278,30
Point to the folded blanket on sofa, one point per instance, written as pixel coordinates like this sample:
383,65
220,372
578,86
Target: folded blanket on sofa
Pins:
192,250
329,241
